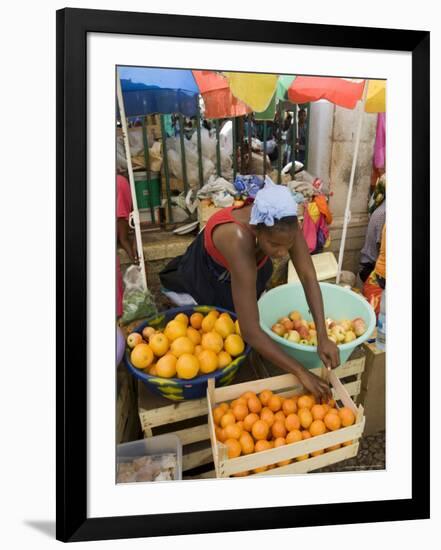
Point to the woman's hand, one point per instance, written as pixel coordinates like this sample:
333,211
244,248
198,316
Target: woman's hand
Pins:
328,353
317,386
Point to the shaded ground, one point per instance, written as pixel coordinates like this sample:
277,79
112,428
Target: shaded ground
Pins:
371,456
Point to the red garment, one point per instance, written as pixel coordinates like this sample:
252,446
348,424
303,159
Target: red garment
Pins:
220,217
123,209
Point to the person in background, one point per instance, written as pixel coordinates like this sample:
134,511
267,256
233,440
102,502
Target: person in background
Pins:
229,265
123,209
301,143
369,252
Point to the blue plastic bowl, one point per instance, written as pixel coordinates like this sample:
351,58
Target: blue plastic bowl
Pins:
339,303
177,389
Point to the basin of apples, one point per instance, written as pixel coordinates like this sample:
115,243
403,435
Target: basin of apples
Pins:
300,331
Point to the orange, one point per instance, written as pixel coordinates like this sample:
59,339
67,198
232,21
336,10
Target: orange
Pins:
197,350
248,394
279,442
305,401
187,366
159,344
182,318
249,420
182,345
331,403
275,403
240,400
141,356
218,413
224,325
332,410
152,370
234,345
234,448
241,474
294,436
240,411
306,434
347,417
265,397
317,427
317,453
254,404
240,424
196,320
223,359
134,339
207,361
292,422
228,418
194,335
174,329
289,406
260,429
262,445
148,332
332,421
214,313
237,327
333,448
232,431
246,443
346,443
278,429
208,321
267,415
305,418
302,457
224,406
318,412
220,434
213,341
280,415
325,407
166,366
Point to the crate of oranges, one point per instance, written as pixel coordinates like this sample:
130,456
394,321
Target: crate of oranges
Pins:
178,351
272,427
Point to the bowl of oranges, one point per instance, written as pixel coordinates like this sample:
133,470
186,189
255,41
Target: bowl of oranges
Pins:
176,352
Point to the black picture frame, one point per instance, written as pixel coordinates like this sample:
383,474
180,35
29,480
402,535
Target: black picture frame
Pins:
73,25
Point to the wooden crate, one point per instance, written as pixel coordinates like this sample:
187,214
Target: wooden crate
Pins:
285,385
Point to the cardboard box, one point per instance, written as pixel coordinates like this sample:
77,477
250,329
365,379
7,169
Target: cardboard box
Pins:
373,389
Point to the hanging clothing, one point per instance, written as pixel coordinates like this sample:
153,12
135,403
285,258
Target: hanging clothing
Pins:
315,228
123,209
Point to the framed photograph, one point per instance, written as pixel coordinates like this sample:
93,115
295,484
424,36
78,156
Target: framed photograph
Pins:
231,373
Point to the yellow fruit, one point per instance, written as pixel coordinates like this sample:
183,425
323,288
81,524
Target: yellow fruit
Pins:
264,397
223,359
254,404
218,413
196,320
182,318
142,356
305,418
275,403
159,344
234,345
260,429
332,421
227,419
292,422
134,339
174,330
208,321
249,420
317,453
240,411
197,350
237,327
294,436
289,406
267,415
302,457
194,335
317,427
207,361
166,366
347,417
305,401
152,371
182,345
213,341
224,325
232,431
278,429
187,366
246,443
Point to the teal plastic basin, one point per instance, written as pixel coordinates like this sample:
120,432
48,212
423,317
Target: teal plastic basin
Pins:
339,303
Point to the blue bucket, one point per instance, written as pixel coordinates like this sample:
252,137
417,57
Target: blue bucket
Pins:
339,303
177,389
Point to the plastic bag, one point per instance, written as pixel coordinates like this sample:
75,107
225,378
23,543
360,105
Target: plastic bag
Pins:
137,302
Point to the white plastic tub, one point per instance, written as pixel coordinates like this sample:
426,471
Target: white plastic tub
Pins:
156,445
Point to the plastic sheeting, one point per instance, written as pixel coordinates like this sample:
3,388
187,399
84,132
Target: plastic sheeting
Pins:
152,90
376,97
339,91
254,89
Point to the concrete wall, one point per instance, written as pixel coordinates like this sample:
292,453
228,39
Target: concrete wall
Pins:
331,150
